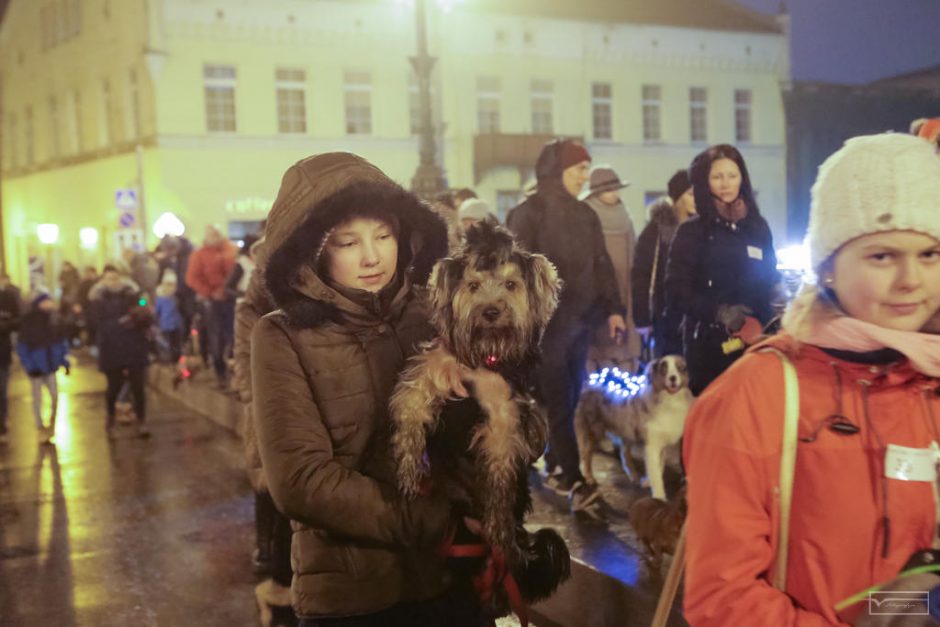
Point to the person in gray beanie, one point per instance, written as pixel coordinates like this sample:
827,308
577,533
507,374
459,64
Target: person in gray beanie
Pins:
864,374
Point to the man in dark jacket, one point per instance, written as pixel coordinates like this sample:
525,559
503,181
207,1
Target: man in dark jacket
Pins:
650,314
10,311
554,223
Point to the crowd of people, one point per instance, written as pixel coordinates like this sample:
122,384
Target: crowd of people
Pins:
319,315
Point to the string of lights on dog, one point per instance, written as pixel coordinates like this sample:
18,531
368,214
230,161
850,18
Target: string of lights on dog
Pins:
616,384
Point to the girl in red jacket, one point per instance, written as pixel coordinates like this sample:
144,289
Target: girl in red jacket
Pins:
868,365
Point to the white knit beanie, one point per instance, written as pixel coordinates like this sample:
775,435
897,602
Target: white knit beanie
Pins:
874,183
474,209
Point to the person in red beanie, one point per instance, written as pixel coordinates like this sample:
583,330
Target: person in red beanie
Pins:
553,222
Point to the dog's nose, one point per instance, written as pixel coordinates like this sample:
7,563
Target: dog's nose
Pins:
491,313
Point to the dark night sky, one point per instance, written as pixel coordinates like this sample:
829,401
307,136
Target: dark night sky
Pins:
859,41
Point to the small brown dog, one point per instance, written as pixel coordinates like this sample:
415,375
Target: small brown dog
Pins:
658,524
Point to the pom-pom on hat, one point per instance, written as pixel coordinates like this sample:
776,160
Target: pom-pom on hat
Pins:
874,184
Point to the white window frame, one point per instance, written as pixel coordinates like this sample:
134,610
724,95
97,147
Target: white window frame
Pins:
698,115
290,85
55,138
29,129
134,129
357,102
489,104
543,107
652,107
602,106
13,152
76,141
743,116
220,82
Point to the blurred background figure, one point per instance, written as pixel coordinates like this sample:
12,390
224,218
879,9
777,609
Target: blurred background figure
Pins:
173,254
237,283
123,321
143,270
85,322
474,210
43,349
10,311
169,320
656,324
603,196
207,274
69,285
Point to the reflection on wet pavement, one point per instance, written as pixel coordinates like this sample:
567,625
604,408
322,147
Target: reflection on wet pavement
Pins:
142,532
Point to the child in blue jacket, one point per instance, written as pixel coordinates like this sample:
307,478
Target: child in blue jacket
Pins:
43,349
168,315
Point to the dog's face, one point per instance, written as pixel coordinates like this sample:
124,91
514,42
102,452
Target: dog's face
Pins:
668,373
492,300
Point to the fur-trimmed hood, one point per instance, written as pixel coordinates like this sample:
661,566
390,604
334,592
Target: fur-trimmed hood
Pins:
662,212
318,193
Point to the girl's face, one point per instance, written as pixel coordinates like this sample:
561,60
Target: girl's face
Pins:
891,279
362,254
724,179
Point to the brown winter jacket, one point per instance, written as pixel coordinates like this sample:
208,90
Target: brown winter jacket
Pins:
323,368
248,310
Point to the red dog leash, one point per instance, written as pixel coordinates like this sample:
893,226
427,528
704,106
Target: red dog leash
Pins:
496,573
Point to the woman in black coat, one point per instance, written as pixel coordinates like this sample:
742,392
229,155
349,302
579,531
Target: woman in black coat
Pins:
722,265
123,318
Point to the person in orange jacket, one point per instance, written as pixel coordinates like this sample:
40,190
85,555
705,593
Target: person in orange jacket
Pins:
864,486
207,274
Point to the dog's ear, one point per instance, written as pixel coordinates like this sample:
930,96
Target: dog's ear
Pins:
445,277
544,288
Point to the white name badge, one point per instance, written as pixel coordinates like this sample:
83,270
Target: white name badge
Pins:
755,253
910,464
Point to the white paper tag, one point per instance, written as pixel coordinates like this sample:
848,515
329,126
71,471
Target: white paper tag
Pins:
910,464
755,253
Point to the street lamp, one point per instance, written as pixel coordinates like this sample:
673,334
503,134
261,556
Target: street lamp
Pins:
88,237
428,180
168,224
48,235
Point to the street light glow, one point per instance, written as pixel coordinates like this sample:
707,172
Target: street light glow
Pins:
48,233
168,224
89,237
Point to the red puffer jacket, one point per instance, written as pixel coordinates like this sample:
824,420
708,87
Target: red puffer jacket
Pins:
732,450
209,268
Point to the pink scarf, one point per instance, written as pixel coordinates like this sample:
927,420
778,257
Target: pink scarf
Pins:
813,322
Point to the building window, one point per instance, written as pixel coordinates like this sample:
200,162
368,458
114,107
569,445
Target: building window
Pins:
30,137
219,81
742,116
59,21
107,113
602,105
76,144
291,85
698,102
414,103
133,98
506,200
652,113
543,105
357,88
55,146
13,151
489,97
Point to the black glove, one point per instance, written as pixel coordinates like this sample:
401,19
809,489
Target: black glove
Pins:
733,316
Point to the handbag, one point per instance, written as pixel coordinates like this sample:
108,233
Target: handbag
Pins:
791,420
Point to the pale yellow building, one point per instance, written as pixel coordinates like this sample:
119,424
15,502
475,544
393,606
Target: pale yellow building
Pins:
199,106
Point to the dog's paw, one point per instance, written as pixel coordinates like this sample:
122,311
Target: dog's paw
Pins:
488,386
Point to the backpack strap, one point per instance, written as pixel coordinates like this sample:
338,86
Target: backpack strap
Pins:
791,421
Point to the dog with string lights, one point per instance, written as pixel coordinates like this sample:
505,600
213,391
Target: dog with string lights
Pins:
648,410
490,304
